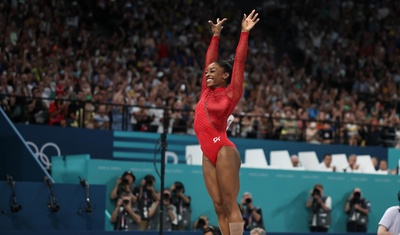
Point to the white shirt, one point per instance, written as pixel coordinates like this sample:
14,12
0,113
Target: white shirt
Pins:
391,220
323,166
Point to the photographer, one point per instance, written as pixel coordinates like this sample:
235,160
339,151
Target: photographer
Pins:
147,195
357,209
182,204
125,187
390,221
125,216
202,224
252,215
170,218
320,206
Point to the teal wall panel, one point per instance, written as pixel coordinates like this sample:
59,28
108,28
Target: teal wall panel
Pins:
281,194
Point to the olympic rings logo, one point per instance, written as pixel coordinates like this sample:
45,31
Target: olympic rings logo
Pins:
40,153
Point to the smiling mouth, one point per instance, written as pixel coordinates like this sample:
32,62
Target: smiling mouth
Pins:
209,80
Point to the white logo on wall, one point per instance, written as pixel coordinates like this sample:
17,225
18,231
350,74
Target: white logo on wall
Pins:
41,153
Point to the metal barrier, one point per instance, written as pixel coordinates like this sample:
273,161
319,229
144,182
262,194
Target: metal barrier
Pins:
115,116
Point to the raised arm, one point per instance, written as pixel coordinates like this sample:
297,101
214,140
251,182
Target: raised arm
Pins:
248,23
212,51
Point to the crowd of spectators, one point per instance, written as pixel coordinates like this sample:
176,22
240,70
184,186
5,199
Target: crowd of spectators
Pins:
317,71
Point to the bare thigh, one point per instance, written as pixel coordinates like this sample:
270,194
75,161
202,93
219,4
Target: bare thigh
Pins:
211,181
227,170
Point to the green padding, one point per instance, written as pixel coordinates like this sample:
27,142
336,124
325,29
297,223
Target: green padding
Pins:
393,158
68,169
281,194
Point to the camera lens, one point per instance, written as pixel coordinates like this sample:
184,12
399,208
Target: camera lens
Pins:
200,223
248,200
125,201
166,196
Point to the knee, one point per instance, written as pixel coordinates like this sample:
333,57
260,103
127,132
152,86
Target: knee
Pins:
229,207
219,208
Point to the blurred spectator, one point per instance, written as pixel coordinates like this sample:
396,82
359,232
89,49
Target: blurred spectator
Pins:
101,119
326,163
383,167
326,134
312,134
141,117
258,231
353,166
313,69
295,161
37,112
58,109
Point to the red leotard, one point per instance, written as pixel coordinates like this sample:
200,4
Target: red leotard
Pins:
215,105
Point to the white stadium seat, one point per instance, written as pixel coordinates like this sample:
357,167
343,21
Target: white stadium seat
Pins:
340,161
309,160
193,155
255,158
280,159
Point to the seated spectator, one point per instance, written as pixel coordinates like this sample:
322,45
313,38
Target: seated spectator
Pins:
312,134
326,134
258,231
101,119
58,109
141,116
353,166
37,113
326,163
383,168
295,161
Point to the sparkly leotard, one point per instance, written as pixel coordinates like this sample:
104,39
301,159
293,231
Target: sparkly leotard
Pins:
215,105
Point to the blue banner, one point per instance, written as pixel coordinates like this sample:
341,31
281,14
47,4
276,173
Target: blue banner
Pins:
47,141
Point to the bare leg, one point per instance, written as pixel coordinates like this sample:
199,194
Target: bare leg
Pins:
227,169
213,188
222,183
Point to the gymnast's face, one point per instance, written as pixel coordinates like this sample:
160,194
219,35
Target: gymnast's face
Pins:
216,76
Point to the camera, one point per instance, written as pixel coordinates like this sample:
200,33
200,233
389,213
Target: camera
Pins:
316,192
125,201
200,223
166,196
248,200
178,187
356,197
124,181
149,180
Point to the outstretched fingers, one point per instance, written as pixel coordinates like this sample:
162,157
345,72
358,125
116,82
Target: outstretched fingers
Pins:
253,16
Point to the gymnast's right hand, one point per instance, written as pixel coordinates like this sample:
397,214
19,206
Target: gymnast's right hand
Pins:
216,28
